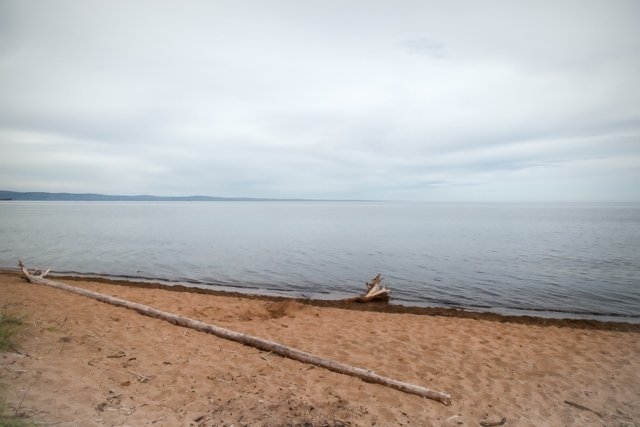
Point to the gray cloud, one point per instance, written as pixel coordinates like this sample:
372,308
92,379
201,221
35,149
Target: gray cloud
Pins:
425,46
330,99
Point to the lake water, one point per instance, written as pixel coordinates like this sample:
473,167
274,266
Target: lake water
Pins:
553,260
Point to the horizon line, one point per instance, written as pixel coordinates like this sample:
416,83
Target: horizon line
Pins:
8,195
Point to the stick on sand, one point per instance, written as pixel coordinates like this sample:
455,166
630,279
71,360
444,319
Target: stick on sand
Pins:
282,350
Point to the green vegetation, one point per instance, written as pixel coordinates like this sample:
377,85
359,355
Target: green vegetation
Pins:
9,325
9,421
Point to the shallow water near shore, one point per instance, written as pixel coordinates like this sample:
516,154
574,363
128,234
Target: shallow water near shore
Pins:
550,260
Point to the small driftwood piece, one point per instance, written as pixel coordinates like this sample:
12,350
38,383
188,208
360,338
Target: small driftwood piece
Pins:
493,424
579,406
292,353
375,292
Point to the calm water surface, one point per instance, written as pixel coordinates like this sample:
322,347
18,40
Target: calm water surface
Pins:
559,260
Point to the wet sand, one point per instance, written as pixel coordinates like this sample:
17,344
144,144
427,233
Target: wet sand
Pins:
89,363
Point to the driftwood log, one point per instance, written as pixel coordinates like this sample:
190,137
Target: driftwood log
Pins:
375,292
282,350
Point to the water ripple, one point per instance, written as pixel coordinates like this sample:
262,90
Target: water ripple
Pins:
542,259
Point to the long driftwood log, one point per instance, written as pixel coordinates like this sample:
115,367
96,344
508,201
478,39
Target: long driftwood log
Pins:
332,365
375,292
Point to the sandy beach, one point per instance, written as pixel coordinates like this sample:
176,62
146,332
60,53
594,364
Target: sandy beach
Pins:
82,362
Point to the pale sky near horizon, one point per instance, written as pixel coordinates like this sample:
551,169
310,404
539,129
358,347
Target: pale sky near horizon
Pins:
398,100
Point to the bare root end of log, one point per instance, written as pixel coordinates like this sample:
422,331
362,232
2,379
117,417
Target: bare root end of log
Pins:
375,292
37,273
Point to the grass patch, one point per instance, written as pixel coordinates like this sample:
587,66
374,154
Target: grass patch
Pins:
9,325
6,421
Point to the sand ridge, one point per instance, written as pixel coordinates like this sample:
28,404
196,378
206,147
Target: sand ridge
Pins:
94,364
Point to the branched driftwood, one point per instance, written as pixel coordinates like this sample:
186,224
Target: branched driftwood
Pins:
375,292
248,340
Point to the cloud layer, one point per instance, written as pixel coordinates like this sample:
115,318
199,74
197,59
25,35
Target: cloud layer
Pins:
380,100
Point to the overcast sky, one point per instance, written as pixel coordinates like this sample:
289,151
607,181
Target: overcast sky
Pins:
398,100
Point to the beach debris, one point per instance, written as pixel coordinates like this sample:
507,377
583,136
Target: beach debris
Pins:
265,359
496,423
142,378
19,372
375,292
158,419
128,411
248,340
113,395
214,378
579,406
18,352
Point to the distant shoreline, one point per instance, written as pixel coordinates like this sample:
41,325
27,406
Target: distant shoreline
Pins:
94,197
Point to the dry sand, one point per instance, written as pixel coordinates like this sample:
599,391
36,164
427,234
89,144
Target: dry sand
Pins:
89,363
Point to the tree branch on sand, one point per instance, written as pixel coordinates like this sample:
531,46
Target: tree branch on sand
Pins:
292,353
375,292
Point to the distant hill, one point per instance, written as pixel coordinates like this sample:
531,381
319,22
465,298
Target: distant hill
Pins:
91,197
